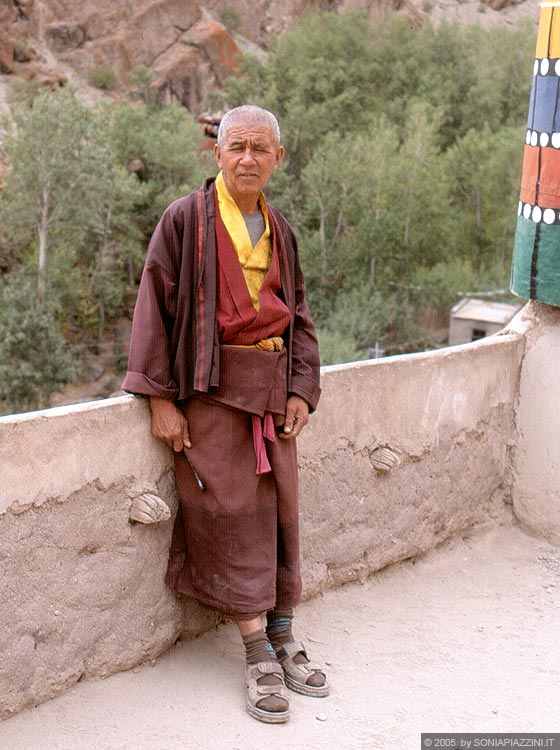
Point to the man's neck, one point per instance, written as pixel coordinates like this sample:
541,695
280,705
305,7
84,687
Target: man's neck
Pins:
247,205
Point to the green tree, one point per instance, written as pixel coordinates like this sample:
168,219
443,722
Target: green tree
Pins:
345,187
165,143
336,348
485,168
45,144
34,357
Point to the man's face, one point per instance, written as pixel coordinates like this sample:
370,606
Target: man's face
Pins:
248,157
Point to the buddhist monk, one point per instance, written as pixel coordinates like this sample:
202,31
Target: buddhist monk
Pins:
224,346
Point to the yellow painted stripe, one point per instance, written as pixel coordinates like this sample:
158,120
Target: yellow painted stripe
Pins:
545,22
555,34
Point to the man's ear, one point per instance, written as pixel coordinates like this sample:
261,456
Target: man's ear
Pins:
218,155
279,155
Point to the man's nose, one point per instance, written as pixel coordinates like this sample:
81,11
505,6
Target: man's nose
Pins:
248,155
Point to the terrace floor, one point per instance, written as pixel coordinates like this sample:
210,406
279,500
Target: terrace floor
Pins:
465,638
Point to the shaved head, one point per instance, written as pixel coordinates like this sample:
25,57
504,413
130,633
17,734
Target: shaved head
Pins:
248,114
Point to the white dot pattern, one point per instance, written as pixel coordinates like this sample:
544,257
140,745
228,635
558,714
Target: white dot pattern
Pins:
534,138
537,214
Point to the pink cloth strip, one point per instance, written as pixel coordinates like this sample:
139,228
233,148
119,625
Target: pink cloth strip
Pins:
262,428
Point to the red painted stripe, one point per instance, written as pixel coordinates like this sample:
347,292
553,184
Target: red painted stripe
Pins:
539,178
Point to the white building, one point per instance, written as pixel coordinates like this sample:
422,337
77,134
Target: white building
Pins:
473,319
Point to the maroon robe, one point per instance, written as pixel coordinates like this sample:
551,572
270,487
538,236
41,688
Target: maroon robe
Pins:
236,544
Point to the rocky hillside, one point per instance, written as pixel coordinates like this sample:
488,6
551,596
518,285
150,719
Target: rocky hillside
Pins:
190,46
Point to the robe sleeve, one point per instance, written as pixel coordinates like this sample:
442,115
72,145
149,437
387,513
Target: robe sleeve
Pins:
149,364
305,372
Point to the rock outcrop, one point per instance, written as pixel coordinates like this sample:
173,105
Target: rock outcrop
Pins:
191,46
188,53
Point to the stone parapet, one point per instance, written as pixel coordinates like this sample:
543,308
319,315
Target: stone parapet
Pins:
401,454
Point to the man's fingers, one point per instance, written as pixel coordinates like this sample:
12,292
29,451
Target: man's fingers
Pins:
186,437
290,419
297,416
299,424
177,443
169,424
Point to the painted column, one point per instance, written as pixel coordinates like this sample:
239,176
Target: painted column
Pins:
536,257
536,276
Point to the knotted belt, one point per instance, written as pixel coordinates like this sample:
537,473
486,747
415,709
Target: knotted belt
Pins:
263,427
253,379
272,344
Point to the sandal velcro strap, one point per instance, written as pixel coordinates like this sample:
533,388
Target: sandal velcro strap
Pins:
269,667
312,667
297,674
271,690
291,649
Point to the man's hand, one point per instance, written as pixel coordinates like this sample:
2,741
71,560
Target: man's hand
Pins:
169,424
297,416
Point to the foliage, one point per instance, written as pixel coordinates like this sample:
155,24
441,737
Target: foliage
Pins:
140,81
230,18
401,176
103,78
403,158
74,207
167,142
440,287
335,347
34,358
363,316
47,145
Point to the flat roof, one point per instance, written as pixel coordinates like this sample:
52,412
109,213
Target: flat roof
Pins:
484,311
464,638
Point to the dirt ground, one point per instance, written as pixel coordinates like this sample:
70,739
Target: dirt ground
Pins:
463,639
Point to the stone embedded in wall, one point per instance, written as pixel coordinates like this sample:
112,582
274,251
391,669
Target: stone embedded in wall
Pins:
384,459
149,508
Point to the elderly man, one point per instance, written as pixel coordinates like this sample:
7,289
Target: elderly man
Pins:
224,346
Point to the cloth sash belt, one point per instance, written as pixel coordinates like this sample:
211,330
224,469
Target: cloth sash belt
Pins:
272,344
254,380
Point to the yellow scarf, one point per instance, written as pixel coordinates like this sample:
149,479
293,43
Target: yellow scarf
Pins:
255,261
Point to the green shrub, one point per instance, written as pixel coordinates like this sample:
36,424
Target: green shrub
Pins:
103,78
230,18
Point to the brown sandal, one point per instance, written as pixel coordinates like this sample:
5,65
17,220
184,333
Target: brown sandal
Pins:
296,675
256,693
